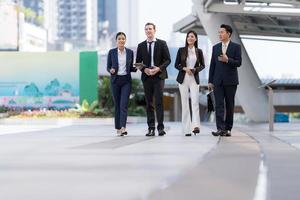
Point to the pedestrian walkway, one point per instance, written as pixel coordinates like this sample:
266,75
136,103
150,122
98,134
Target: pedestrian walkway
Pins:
83,160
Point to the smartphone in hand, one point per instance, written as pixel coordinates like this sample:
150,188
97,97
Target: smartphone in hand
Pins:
220,57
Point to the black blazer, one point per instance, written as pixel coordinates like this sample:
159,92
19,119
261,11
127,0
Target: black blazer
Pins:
180,63
161,57
225,73
112,62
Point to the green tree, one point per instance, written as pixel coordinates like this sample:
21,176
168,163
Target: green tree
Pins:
105,97
134,109
40,20
30,15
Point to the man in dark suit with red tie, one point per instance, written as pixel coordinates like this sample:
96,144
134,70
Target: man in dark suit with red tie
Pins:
223,79
155,56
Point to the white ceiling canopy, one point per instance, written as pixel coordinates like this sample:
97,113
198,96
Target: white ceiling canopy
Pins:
251,17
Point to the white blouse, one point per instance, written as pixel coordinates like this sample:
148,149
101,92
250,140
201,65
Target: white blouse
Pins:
191,58
122,62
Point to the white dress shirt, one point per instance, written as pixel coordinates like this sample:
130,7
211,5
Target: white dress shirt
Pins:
225,46
122,62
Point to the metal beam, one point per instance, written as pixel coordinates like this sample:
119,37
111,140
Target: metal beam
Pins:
273,26
291,2
188,23
268,33
208,3
242,10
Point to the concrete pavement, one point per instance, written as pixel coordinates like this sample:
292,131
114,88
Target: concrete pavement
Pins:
83,159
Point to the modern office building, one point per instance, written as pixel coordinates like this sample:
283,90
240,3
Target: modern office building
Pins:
118,15
76,23
36,5
127,20
107,16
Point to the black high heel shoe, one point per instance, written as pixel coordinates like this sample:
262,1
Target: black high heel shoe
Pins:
196,131
123,131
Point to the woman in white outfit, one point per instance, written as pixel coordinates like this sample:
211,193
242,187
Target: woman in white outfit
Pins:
189,62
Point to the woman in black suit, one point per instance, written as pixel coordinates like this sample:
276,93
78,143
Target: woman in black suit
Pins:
120,65
189,62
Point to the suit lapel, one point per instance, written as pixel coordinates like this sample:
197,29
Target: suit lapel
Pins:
116,59
155,51
145,47
229,48
127,60
197,57
219,49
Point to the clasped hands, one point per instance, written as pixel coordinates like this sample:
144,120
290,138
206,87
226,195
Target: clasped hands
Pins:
223,58
112,71
189,71
152,71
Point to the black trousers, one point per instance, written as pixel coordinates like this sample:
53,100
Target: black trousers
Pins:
121,90
153,88
224,97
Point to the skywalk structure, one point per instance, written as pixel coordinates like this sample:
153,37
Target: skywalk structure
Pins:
259,18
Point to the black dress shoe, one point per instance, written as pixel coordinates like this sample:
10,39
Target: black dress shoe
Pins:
227,133
161,132
188,134
151,133
218,133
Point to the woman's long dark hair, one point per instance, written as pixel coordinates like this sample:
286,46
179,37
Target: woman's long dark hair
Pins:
185,52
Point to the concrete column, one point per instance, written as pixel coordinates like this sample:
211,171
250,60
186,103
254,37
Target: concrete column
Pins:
253,100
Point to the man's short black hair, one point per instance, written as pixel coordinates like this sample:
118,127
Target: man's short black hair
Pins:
227,28
152,24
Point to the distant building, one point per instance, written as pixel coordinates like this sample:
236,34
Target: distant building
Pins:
34,11
128,20
51,23
107,16
9,36
71,24
32,38
21,32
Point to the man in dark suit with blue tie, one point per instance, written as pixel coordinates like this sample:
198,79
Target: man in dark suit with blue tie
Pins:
223,79
155,56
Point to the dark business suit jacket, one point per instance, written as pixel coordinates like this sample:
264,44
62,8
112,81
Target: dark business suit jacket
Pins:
112,62
221,73
180,63
161,57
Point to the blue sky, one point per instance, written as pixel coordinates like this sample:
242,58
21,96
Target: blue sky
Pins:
274,59
164,13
